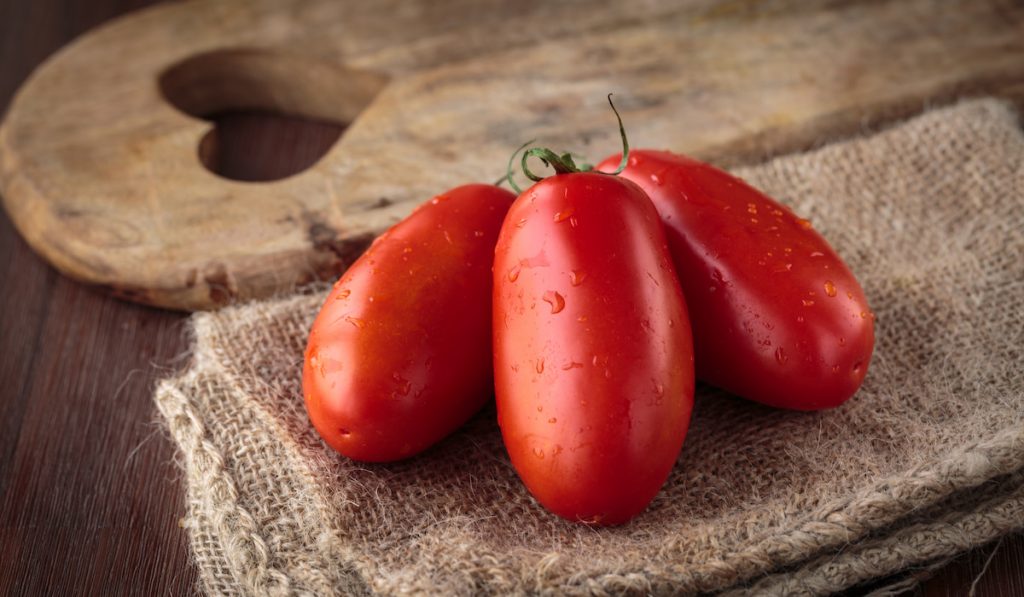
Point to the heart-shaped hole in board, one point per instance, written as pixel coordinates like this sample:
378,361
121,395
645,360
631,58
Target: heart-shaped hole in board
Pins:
274,114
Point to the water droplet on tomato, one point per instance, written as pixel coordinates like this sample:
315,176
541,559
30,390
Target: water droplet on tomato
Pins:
555,300
595,519
448,237
342,294
753,220
359,323
571,365
403,385
857,366
799,318
655,179
540,365
538,260
608,373
805,224
849,294
752,208
521,223
564,215
576,277
581,318
344,432
780,356
407,250
513,274
659,389
787,250
830,288
808,302
540,408
633,160
835,369
552,420
863,314
538,453
817,254
478,233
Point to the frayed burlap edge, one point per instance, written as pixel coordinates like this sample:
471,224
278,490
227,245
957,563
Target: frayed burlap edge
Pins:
232,556
925,539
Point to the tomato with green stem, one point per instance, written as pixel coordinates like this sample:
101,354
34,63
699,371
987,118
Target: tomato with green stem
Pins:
592,349
777,316
400,353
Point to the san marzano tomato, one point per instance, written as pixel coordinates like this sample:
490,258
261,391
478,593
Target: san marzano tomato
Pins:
777,315
592,348
399,355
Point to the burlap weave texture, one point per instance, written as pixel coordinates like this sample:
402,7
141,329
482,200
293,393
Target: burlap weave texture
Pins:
925,461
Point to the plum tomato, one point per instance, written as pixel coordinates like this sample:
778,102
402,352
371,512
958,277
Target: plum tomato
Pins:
400,353
777,316
593,361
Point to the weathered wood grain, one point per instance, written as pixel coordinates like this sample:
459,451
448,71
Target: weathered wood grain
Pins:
89,495
100,163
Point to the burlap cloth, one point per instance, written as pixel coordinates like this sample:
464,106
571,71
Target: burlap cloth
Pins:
925,461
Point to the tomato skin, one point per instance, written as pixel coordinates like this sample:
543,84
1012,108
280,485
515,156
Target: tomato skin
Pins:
400,353
593,354
777,316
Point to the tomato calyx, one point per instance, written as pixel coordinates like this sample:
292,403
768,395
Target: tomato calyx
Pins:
561,163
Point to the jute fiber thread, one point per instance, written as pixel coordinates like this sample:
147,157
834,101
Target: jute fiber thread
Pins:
925,461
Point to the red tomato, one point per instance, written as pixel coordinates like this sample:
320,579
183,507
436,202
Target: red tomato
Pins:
777,316
400,354
592,348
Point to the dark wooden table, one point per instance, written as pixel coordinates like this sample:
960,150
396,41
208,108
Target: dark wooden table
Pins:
90,496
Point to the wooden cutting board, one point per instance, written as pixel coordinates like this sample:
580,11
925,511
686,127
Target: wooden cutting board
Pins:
100,151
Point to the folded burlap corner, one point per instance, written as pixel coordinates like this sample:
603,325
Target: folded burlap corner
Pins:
925,461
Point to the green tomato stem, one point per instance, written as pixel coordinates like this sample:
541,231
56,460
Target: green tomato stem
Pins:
564,163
